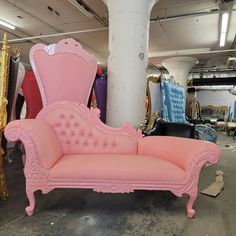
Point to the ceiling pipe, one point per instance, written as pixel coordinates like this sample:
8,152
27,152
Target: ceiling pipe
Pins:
156,20
186,52
56,35
188,15
87,10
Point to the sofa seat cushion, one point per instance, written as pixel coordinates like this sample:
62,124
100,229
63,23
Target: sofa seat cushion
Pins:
116,167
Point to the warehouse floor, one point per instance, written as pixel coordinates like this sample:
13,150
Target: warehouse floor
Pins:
146,213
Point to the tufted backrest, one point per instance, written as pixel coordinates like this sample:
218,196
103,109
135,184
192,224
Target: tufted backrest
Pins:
174,101
80,131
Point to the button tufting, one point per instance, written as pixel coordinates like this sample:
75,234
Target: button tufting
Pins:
76,141
63,133
62,116
76,124
82,132
85,143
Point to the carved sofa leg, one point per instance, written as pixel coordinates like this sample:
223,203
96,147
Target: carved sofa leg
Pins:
30,194
192,197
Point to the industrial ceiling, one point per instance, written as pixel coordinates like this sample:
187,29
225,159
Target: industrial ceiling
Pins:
177,27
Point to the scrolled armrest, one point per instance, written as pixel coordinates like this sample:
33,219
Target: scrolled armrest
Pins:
39,140
181,151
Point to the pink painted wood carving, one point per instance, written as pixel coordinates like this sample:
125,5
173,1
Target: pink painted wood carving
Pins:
64,71
67,146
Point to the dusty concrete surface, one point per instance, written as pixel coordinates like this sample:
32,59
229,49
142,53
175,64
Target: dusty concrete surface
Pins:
143,213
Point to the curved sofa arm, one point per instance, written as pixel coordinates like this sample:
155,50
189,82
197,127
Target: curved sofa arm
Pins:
181,151
40,142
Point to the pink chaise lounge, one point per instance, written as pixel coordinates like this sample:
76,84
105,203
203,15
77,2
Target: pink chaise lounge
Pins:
67,146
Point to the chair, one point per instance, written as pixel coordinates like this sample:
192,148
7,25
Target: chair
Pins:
100,88
32,95
154,96
162,128
16,76
20,78
57,83
67,146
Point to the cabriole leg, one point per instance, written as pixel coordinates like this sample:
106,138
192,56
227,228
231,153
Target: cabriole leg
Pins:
192,197
30,194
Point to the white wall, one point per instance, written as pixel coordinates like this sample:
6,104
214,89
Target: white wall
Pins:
216,98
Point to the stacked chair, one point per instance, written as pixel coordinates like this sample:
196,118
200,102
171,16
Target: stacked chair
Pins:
172,120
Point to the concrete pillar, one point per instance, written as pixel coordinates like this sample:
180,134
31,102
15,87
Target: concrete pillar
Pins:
179,68
127,60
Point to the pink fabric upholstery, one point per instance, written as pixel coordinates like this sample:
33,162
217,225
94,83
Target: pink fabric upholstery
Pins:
44,141
63,67
116,167
182,152
78,135
67,146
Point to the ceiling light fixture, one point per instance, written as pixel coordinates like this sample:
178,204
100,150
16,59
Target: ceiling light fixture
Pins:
81,8
224,27
232,59
6,24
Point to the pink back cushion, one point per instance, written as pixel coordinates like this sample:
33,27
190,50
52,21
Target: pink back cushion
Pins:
64,71
79,131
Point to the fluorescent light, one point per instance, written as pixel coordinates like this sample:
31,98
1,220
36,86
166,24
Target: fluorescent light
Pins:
224,26
222,39
81,8
232,59
4,23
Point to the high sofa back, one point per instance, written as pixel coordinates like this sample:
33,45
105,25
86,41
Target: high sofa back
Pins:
80,131
64,71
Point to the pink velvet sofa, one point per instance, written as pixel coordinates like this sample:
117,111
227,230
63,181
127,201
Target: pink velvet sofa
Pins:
67,146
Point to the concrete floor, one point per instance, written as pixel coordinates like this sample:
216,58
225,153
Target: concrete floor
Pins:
143,213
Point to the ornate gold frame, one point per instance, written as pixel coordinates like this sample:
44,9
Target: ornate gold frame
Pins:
223,108
156,80
4,71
